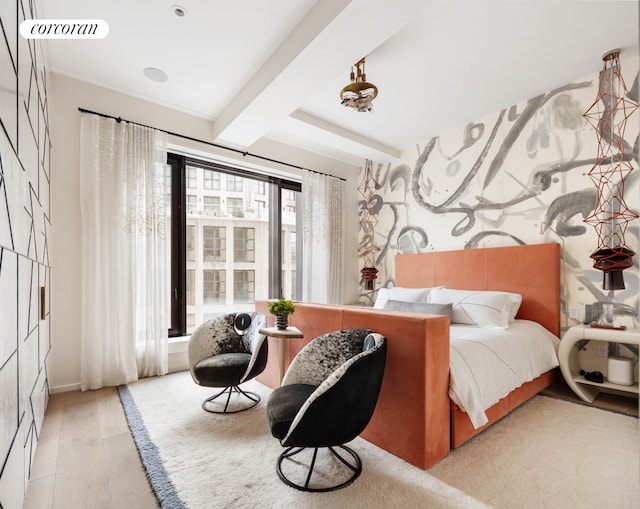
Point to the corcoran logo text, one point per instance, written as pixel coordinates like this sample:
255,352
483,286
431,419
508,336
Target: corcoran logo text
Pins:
64,29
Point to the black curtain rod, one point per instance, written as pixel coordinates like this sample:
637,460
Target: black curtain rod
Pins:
237,151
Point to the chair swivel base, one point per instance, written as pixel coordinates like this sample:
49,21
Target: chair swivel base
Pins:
249,400
355,465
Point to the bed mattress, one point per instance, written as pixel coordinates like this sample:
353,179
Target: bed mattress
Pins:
486,364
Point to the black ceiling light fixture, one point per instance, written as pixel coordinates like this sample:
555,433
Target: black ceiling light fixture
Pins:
359,94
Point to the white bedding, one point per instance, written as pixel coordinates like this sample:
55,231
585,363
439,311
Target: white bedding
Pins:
487,364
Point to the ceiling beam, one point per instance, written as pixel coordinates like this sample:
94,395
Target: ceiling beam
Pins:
334,35
333,135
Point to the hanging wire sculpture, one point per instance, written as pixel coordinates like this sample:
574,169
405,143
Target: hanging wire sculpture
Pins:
608,115
370,205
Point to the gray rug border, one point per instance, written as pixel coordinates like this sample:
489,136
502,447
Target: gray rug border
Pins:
161,484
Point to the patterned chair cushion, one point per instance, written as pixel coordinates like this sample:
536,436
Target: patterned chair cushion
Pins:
318,359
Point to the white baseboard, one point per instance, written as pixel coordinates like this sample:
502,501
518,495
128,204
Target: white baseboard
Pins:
178,361
64,388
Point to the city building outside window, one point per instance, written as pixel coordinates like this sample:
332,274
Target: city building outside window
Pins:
243,286
191,287
293,246
214,243
244,245
235,207
211,206
192,178
214,289
234,183
216,217
191,243
192,204
211,180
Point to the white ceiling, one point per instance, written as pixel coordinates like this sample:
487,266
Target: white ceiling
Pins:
273,69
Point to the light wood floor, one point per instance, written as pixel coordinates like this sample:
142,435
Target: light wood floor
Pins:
86,457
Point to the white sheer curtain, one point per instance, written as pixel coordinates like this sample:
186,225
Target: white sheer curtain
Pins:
323,231
124,267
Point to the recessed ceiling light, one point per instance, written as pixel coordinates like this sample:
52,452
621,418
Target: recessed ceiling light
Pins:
178,10
155,74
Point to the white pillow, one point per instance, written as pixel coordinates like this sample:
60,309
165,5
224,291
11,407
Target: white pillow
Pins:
381,298
516,300
483,308
401,294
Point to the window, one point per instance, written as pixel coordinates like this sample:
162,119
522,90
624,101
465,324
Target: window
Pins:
192,178
211,180
225,251
289,214
244,246
211,206
214,289
243,286
235,207
191,287
191,243
234,183
192,204
214,243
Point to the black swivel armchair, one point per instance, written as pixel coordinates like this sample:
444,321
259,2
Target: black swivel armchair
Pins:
327,398
224,352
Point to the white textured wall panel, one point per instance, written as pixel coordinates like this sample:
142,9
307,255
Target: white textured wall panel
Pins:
28,372
9,408
24,260
13,482
9,308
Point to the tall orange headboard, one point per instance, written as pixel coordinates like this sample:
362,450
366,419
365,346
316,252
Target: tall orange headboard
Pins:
533,271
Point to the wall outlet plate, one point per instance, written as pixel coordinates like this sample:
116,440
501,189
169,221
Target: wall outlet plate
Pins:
573,312
603,350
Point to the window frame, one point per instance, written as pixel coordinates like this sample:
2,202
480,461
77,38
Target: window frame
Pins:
179,164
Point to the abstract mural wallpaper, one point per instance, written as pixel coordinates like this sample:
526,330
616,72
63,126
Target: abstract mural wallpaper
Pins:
24,251
494,182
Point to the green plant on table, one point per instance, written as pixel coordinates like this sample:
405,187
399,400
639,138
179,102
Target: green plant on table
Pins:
281,307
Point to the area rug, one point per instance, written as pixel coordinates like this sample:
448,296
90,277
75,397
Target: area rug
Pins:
548,453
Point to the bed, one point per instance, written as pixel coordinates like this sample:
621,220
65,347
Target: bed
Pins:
415,418
532,271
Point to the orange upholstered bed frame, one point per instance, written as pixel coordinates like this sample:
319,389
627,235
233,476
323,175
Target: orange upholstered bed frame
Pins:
533,271
414,418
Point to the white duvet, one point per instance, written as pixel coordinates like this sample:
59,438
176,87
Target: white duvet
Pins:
487,364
